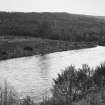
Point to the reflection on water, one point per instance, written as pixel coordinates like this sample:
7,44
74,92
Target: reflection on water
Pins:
32,76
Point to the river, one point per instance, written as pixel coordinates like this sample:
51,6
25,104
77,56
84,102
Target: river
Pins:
33,76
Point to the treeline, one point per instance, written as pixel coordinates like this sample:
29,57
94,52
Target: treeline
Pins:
57,26
85,86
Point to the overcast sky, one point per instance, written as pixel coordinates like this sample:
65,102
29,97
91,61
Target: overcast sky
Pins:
89,7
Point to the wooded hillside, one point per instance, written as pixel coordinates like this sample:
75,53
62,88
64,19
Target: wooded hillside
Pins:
57,26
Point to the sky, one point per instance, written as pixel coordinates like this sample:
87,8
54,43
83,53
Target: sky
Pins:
88,7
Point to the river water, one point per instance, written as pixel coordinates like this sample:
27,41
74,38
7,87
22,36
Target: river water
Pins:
33,76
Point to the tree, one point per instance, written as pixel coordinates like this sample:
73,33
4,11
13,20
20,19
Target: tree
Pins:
72,84
45,30
64,88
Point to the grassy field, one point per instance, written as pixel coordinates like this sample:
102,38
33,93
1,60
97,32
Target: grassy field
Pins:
12,47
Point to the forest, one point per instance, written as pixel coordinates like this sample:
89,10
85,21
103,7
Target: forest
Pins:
55,26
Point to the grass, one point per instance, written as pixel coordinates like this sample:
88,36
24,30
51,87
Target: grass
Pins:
12,47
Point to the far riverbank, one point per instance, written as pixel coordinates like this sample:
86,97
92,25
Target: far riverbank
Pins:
13,47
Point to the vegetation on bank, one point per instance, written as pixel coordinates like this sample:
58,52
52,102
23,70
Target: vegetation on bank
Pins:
12,47
55,26
83,86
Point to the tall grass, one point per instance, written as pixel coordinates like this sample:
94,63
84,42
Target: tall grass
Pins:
8,95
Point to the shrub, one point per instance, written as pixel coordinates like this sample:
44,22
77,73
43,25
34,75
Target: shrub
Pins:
28,48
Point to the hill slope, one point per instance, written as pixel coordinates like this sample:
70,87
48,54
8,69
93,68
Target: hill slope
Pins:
58,26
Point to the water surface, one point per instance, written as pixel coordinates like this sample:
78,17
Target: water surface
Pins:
33,76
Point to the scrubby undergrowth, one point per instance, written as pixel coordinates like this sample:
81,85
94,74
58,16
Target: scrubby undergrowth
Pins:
84,86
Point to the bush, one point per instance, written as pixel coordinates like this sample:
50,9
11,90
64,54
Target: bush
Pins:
28,49
75,85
